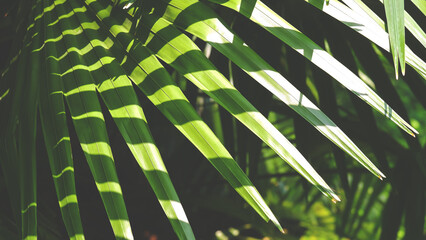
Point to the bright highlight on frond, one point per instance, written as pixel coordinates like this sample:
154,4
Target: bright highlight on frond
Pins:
77,67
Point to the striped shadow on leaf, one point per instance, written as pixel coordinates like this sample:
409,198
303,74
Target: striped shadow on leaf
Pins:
180,52
144,70
57,139
26,108
190,16
87,117
364,21
273,23
86,58
121,100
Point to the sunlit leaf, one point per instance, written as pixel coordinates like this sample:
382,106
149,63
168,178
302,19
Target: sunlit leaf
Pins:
144,70
395,25
88,120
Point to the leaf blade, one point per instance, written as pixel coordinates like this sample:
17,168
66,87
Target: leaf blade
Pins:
57,140
202,73
273,23
369,25
255,66
88,120
121,100
394,10
148,74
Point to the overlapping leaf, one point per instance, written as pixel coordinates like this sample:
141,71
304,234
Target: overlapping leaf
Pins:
272,22
10,107
144,70
24,125
118,94
395,25
57,139
94,51
364,21
191,19
87,116
181,53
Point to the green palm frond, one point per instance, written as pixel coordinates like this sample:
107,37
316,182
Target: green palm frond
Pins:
74,64
363,20
395,25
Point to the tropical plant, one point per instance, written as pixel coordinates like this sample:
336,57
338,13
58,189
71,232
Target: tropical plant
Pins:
75,68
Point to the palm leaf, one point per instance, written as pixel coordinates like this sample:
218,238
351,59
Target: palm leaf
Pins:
253,64
8,152
121,100
80,59
25,127
182,54
364,21
88,120
272,22
421,5
415,29
145,71
395,25
57,139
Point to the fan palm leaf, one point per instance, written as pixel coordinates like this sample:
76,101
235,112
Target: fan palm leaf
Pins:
71,58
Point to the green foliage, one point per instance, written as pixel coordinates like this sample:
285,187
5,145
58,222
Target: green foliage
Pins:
82,75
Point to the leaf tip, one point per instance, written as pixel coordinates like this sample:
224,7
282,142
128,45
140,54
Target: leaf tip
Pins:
402,61
277,224
379,174
335,199
395,65
408,128
413,132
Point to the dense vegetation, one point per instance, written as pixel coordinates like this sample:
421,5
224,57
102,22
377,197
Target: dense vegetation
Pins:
87,86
